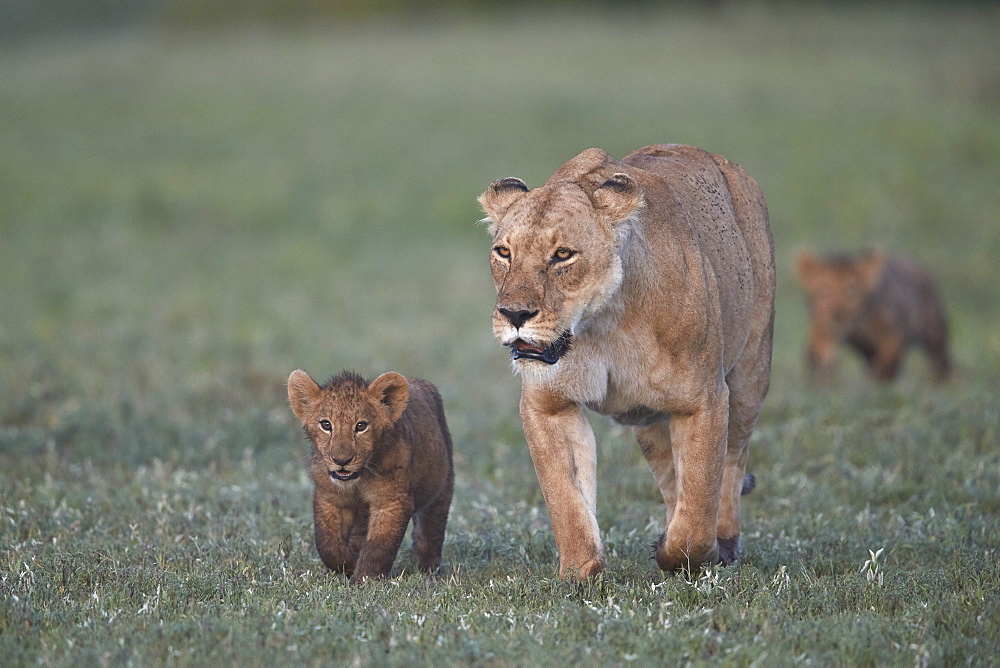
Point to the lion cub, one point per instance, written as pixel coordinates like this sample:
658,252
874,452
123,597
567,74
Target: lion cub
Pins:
381,454
879,305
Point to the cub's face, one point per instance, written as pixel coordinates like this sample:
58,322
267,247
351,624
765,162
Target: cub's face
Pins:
346,418
837,288
555,261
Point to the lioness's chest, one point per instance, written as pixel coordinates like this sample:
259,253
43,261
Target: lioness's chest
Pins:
594,385
639,417
628,407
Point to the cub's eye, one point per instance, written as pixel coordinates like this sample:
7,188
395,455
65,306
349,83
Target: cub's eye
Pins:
361,427
325,426
562,254
502,251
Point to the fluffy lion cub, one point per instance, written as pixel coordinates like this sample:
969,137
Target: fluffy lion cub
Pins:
381,454
879,305
642,289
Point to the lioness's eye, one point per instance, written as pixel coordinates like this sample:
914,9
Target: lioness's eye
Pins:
361,426
502,251
562,254
325,426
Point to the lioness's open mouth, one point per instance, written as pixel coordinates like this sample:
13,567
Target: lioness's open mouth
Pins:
344,474
521,349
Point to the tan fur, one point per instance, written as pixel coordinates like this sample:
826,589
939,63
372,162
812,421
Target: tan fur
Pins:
391,438
661,269
876,304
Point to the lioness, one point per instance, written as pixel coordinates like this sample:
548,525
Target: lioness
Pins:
381,454
879,305
643,290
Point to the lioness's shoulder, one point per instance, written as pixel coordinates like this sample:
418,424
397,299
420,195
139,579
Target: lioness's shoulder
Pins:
667,151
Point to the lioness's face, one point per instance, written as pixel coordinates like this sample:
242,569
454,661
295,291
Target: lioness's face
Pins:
345,419
554,261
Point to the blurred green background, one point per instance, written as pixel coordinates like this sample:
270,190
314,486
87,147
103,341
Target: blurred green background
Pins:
188,213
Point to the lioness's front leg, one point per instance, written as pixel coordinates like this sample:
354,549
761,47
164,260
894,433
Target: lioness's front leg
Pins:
699,449
564,453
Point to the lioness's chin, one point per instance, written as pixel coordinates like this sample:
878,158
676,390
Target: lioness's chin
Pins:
531,371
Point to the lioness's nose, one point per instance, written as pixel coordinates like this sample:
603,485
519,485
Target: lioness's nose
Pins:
343,462
517,318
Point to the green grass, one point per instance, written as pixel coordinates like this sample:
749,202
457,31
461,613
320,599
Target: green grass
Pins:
187,217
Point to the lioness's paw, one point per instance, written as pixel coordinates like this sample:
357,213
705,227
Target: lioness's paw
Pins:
673,558
584,572
729,550
657,544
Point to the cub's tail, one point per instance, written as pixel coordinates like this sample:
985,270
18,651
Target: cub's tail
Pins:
749,484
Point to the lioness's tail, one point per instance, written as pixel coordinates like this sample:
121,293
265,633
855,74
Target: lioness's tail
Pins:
749,484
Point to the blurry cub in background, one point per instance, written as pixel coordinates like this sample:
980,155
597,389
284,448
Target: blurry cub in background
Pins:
879,305
381,454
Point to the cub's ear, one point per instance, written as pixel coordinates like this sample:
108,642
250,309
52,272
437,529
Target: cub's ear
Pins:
393,390
302,391
870,267
500,196
618,197
806,266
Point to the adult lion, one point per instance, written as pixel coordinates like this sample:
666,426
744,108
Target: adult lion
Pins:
642,290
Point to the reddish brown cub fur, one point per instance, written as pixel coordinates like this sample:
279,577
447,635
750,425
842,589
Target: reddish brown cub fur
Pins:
381,454
876,304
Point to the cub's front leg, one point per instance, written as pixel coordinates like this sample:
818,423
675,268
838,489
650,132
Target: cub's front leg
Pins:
564,453
386,527
333,523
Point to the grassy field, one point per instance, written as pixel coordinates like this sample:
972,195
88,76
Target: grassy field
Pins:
187,217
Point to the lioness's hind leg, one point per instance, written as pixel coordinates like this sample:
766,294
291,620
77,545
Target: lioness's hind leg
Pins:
748,383
654,441
735,483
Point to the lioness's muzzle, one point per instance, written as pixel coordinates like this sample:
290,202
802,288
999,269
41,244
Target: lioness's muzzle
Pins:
550,355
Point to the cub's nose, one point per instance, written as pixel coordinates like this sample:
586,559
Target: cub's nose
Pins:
517,318
343,462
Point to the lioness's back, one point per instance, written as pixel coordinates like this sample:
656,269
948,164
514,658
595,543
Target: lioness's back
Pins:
729,219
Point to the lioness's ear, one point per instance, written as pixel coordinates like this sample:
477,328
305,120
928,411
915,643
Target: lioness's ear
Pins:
871,267
302,391
618,197
393,390
499,197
